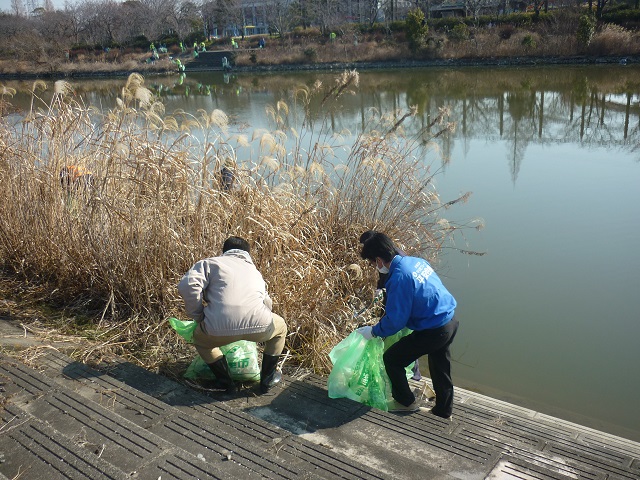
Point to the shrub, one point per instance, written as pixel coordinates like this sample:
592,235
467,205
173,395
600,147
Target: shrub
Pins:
194,37
139,42
416,29
529,42
622,15
310,54
610,40
586,29
506,31
460,32
309,32
156,206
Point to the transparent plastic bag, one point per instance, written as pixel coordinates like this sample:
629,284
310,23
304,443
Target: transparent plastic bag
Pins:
358,370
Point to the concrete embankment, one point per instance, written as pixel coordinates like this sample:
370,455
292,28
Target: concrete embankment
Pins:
63,419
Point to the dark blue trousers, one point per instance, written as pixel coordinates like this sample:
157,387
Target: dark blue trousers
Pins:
434,343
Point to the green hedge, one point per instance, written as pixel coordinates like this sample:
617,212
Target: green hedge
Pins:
621,16
522,19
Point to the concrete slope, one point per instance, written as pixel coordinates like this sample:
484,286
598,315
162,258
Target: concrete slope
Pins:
67,420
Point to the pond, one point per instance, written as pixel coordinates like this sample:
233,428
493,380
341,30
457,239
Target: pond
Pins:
550,316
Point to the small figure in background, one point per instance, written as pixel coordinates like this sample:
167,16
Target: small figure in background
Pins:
227,174
74,178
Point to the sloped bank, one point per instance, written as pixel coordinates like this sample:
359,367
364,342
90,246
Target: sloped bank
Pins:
459,62
395,64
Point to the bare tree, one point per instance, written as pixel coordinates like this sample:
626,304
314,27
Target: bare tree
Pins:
209,12
303,13
188,17
76,25
229,16
475,8
159,17
327,14
56,28
132,19
18,8
279,16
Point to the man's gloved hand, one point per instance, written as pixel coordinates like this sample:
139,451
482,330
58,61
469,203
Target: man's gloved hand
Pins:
365,332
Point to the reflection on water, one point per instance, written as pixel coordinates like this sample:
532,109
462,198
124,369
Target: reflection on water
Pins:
549,316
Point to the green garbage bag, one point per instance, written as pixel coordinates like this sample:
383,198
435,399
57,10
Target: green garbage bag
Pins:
242,356
184,328
358,370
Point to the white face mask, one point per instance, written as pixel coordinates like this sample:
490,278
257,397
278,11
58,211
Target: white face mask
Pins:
382,269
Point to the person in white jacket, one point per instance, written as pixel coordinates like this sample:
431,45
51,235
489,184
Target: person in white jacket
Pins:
228,298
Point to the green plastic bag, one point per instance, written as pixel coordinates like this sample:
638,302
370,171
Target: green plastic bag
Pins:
242,356
358,370
184,328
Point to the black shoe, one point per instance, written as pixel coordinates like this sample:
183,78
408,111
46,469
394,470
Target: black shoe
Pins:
223,380
448,418
269,374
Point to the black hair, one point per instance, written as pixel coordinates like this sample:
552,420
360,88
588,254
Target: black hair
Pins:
366,236
237,243
379,245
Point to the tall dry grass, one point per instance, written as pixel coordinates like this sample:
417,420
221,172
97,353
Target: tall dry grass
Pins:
614,40
119,247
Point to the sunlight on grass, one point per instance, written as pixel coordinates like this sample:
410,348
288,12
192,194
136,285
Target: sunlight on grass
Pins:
119,241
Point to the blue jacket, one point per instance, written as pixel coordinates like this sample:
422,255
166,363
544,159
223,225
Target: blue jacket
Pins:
416,298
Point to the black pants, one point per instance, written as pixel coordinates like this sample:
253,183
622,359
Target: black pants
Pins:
434,343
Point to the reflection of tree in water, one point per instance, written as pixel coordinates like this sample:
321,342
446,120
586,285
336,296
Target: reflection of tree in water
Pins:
521,107
592,107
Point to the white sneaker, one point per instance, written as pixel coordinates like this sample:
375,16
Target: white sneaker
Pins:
395,407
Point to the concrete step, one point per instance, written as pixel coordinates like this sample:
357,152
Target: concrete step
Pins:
117,428
208,61
68,420
54,431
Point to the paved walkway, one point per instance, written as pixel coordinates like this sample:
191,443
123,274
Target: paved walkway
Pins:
66,420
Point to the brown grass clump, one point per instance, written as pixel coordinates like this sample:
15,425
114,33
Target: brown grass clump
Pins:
87,64
116,249
614,40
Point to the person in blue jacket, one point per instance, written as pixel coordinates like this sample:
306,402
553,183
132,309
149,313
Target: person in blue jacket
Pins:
416,299
381,292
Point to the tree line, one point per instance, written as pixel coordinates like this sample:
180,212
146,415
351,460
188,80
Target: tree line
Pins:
32,29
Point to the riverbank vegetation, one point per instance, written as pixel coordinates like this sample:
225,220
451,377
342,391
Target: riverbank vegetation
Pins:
81,40
104,243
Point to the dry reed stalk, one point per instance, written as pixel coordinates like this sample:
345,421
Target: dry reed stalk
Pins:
156,206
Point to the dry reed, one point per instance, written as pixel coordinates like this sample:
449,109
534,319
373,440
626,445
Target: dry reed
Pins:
117,248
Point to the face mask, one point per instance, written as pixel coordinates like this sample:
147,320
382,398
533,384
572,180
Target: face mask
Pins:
382,269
